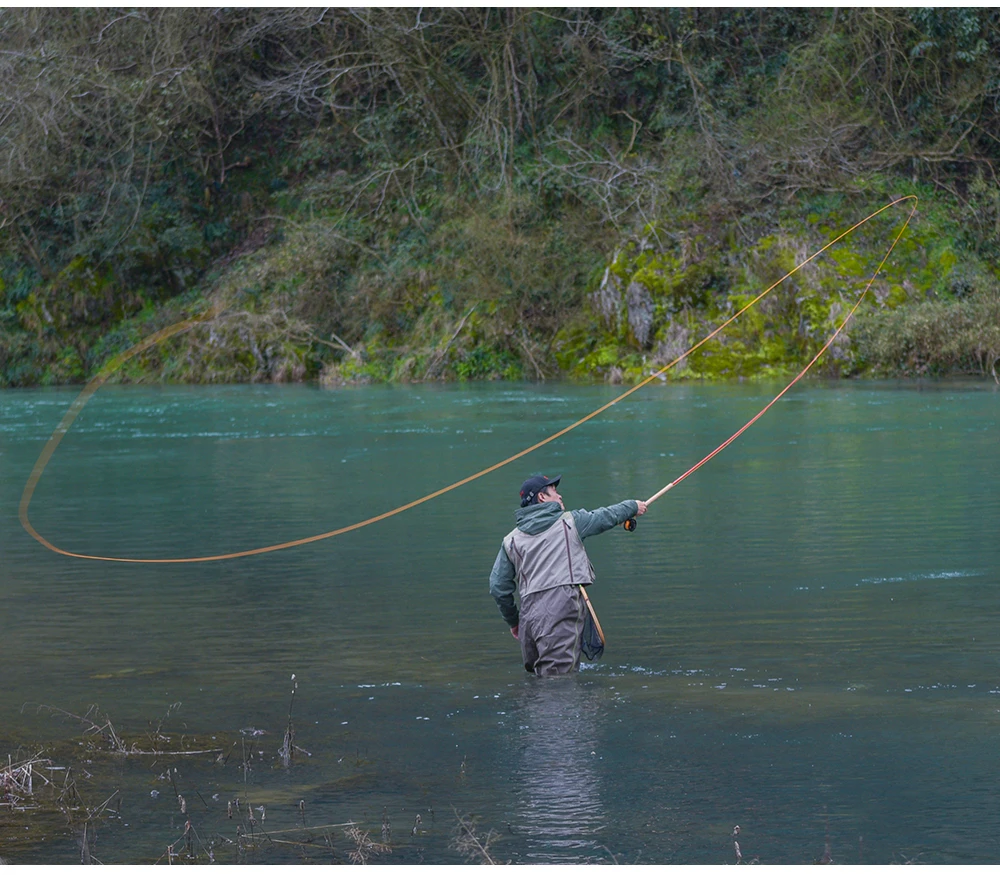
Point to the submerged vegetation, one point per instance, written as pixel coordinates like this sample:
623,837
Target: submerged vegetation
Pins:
222,797
422,194
231,797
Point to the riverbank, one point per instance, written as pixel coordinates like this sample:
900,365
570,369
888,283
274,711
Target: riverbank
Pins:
928,313
581,195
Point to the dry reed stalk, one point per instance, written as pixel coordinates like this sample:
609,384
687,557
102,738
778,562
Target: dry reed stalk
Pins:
364,847
287,750
17,781
97,723
471,845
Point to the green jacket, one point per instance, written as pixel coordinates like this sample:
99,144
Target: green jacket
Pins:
537,518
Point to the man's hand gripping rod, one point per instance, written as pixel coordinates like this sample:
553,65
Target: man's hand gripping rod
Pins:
630,524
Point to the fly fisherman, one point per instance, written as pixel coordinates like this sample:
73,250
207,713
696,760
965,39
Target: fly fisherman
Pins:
546,558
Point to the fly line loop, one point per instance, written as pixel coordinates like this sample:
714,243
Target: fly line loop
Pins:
115,363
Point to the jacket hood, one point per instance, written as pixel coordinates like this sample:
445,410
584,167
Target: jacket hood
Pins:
537,518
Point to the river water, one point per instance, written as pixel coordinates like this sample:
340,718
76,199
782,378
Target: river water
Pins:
803,637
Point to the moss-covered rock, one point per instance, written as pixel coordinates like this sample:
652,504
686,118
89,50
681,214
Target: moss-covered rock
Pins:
678,289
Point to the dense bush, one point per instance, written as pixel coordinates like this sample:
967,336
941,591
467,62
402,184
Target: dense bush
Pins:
934,338
403,168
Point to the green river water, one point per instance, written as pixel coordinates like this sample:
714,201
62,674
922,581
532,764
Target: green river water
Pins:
803,637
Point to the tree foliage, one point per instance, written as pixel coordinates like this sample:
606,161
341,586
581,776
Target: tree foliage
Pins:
140,149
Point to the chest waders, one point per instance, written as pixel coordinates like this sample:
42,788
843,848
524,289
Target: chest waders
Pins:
545,561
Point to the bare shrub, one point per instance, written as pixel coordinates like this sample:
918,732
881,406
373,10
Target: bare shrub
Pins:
472,844
934,338
364,848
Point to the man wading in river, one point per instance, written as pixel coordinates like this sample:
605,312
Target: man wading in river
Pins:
545,556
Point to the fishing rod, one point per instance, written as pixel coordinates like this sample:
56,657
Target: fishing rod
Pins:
186,325
630,524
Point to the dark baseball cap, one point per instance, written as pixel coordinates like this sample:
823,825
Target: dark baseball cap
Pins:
533,485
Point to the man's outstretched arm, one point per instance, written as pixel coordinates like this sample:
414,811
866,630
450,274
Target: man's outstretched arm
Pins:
593,522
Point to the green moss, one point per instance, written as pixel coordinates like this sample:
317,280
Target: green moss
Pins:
784,330
399,306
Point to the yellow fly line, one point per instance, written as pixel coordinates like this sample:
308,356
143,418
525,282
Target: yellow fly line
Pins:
114,364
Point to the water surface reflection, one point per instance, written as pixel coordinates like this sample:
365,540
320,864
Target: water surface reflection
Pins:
558,785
